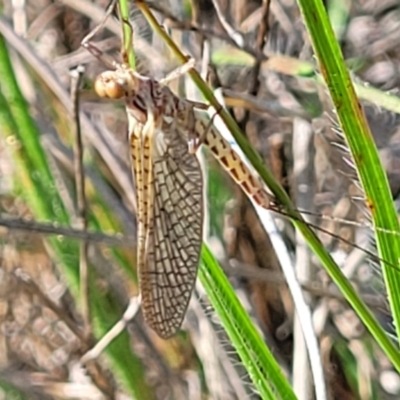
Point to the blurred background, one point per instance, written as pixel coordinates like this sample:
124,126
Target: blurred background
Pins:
258,55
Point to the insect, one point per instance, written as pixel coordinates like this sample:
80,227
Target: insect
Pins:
164,133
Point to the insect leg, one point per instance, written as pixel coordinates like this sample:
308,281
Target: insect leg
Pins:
179,71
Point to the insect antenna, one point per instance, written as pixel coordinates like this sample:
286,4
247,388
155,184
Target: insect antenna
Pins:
373,256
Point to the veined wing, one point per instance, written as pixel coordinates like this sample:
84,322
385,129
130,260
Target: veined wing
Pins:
174,238
169,194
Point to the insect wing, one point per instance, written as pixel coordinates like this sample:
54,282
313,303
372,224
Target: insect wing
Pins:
174,234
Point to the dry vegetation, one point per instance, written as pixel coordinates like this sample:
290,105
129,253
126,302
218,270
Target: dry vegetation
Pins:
289,120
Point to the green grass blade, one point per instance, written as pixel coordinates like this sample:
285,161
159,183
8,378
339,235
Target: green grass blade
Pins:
8,391
127,33
365,156
257,359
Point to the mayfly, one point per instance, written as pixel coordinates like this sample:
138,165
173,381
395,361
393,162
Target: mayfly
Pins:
165,131
164,134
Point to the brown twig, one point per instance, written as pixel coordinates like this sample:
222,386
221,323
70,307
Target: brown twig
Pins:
76,77
234,34
49,229
260,42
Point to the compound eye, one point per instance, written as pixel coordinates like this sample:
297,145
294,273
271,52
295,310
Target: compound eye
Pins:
107,85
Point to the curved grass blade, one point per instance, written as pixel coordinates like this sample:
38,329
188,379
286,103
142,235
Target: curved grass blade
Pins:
366,160
262,367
